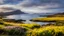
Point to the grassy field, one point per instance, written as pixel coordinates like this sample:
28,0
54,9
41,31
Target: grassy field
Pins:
49,19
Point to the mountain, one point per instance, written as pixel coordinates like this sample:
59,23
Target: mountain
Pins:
15,12
57,15
50,14
5,11
43,14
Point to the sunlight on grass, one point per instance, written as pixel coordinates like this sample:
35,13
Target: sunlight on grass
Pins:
30,25
2,26
47,31
50,19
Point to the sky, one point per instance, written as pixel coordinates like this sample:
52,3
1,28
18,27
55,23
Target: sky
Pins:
35,6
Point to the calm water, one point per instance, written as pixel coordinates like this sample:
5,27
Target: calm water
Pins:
23,16
41,23
26,17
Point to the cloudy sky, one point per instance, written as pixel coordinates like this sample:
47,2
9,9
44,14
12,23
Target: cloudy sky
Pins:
35,6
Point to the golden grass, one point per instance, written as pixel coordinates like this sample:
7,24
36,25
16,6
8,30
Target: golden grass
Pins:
12,24
30,25
50,19
2,26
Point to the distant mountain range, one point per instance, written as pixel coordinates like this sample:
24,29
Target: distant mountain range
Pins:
6,11
43,14
57,14
15,12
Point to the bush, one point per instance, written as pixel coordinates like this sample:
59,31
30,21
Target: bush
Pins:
47,31
59,23
8,24
14,30
2,31
2,26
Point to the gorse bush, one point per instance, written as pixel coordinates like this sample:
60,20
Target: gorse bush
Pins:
2,30
59,23
47,31
7,24
2,26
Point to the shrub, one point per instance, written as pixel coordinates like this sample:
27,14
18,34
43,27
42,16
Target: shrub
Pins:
2,26
47,31
2,31
15,30
8,24
59,23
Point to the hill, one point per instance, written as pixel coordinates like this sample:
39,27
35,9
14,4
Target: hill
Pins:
57,15
15,12
5,11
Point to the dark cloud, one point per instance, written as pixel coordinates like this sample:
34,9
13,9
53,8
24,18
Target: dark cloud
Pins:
29,3
10,1
36,5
